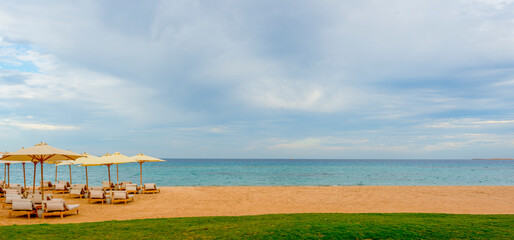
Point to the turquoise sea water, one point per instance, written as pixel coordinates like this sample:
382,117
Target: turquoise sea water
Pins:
282,172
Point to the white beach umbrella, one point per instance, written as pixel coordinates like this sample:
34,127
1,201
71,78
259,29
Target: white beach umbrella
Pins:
110,159
41,153
141,158
86,159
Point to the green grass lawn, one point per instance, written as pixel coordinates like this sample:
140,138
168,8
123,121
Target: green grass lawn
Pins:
286,226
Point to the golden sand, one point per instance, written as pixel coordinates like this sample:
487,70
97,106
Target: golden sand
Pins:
237,201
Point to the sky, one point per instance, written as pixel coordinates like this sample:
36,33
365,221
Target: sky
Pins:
260,79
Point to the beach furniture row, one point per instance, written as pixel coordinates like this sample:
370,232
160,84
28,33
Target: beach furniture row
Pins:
29,203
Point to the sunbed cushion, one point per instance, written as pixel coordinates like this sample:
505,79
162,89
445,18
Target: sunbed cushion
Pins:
77,191
22,205
12,191
61,187
54,205
120,195
131,187
63,182
124,184
10,197
83,186
35,192
96,188
150,186
97,194
71,206
105,184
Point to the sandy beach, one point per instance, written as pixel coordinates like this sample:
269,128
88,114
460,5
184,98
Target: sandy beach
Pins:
237,201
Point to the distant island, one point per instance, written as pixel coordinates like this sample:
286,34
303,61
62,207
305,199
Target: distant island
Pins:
493,158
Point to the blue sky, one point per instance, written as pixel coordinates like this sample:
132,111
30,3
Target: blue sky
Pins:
263,79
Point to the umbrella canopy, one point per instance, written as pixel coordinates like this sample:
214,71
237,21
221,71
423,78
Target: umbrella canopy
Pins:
85,159
108,160
41,152
141,158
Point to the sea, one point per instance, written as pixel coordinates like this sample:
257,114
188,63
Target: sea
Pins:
287,172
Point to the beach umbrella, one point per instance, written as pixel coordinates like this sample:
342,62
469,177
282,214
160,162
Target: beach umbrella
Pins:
41,153
7,165
110,159
86,158
141,158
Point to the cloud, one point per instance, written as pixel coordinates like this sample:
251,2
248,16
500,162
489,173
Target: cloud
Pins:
470,123
36,126
141,69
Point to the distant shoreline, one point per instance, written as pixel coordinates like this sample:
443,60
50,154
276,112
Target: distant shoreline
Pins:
493,159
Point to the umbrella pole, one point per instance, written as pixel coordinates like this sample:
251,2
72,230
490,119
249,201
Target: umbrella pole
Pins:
109,172
24,182
117,181
70,174
55,173
141,174
87,185
5,173
8,175
42,192
34,180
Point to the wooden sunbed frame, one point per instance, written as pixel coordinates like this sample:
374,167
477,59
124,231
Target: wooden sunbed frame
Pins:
98,200
122,200
61,191
22,213
60,213
80,195
158,190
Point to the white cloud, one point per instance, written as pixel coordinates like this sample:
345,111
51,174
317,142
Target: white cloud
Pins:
36,126
469,123
389,66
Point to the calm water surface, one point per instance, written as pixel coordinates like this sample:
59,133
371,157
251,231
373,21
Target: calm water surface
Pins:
282,172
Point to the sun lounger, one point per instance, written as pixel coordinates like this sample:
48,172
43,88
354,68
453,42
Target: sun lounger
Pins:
121,196
11,191
23,206
64,182
61,188
151,188
19,189
37,199
96,189
9,198
58,207
97,196
79,185
123,185
132,188
47,185
36,191
78,190
106,186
